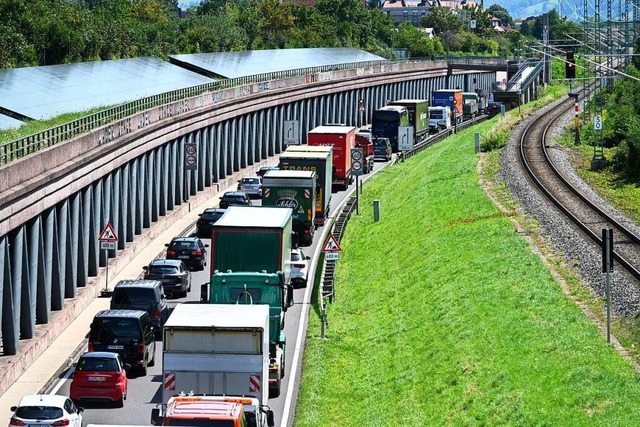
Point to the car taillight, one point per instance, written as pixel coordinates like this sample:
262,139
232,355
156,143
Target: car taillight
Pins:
90,347
196,252
141,348
156,314
171,252
14,422
64,422
298,265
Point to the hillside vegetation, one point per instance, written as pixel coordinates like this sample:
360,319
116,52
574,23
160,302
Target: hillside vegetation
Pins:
444,316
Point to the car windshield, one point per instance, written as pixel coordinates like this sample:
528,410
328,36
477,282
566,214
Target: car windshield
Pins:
102,364
295,256
251,294
380,143
436,115
163,269
105,330
250,181
39,412
212,215
183,245
133,296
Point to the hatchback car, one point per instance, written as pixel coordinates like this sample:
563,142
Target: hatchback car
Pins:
299,268
251,186
147,295
126,332
204,225
100,376
172,273
46,410
382,149
234,198
189,250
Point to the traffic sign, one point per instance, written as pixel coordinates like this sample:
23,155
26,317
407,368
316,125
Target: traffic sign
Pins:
291,132
108,245
108,234
357,167
597,123
191,156
405,138
332,256
331,245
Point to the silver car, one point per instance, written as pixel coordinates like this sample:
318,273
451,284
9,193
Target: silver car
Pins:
299,268
251,186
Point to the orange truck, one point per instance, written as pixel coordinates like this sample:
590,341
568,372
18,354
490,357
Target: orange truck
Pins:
343,139
214,411
451,98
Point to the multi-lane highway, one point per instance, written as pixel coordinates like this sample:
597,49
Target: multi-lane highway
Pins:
145,392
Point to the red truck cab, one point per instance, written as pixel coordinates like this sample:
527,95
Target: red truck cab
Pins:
364,140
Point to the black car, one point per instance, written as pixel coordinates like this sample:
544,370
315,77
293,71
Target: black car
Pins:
493,108
144,295
126,332
189,250
263,170
207,219
172,273
234,198
382,149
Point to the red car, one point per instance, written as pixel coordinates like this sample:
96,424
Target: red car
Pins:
99,376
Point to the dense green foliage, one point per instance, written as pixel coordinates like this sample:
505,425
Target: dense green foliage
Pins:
621,124
453,321
46,32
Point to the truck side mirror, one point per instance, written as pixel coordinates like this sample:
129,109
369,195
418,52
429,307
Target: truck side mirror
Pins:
289,295
204,293
270,420
155,416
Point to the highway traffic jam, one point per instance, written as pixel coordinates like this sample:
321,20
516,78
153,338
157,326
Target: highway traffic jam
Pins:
200,338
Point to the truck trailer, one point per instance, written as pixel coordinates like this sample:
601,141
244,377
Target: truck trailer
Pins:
418,116
220,350
320,162
451,98
295,190
251,262
343,139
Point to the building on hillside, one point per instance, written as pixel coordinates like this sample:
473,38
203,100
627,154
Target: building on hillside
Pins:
408,10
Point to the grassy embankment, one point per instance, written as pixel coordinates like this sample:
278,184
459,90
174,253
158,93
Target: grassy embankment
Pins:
444,316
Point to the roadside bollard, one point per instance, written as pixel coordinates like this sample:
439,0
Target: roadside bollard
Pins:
376,210
477,142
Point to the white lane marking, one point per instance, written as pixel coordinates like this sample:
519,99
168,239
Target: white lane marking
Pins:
305,310
62,380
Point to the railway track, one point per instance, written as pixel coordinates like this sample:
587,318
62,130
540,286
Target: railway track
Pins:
534,155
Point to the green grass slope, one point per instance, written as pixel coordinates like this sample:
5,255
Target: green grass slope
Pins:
444,316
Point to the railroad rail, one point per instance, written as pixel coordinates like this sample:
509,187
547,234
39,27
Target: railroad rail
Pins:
584,213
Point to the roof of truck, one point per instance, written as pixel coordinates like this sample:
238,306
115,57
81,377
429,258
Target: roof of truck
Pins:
409,101
289,174
254,217
309,148
341,130
305,155
219,316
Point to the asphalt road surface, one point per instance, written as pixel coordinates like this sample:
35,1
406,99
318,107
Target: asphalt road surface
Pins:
144,392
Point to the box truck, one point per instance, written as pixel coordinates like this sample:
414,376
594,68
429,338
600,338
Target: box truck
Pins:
343,139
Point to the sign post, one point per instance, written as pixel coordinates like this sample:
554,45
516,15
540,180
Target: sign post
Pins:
190,164
107,239
331,249
357,168
607,267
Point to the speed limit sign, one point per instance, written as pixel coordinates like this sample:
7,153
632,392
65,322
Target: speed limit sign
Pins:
356,161
597,123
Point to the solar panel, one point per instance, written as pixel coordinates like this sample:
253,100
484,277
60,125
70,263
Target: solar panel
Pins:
7,122
48,91
248,63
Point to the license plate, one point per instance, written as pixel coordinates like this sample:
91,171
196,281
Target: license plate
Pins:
115,347
96,379
183,256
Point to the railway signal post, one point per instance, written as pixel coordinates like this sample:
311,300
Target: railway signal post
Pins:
607,268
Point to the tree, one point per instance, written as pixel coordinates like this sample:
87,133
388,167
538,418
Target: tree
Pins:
502,14
276,21
441,19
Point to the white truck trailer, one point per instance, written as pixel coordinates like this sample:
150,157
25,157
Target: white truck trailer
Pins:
218,349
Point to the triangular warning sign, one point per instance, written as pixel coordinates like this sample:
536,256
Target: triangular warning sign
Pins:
331,245
108,234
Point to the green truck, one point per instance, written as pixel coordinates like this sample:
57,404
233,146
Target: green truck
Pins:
418,116
320,161
295,190
250,262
